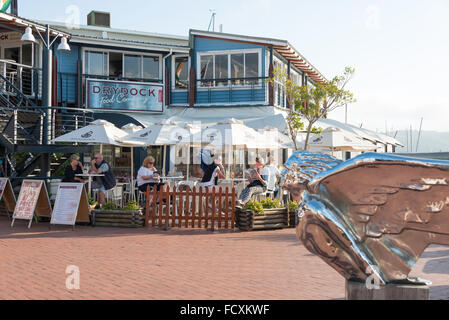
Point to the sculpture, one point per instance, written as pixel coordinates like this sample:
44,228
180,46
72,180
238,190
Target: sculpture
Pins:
375,213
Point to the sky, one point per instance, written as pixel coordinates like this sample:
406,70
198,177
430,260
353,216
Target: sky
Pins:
398,48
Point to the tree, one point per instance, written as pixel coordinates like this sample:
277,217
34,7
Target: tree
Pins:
312,103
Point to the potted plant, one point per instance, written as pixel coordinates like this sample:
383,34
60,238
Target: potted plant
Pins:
92,203
263,215
292,210
110,216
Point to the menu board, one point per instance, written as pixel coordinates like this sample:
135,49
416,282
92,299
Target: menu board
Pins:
7,194
71,204
33,201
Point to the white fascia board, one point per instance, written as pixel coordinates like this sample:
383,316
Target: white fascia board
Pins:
228,36
122,44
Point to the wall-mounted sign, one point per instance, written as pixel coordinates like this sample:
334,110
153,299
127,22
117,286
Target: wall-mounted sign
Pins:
10,37
121,95
33,202
7,194
71,205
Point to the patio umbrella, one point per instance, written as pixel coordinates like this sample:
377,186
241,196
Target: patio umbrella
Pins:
131,128
98,132
336,139
157,134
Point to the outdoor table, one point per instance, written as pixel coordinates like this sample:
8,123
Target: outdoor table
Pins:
89,176
171,179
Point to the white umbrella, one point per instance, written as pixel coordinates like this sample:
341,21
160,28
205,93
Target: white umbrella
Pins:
131,128
98,132
158,134
337,139
232,132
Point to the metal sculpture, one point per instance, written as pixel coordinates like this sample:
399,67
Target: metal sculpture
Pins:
375,213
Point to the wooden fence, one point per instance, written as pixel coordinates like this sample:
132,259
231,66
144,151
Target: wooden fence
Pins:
196,208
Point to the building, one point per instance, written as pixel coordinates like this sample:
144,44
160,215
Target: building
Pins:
135,77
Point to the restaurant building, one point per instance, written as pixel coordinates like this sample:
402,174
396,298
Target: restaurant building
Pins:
126,76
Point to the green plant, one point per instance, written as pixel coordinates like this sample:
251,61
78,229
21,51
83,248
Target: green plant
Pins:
269,203
109,206
132,206
292,206
255,206
91,201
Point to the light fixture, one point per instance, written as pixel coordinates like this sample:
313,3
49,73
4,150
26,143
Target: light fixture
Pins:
64,45
28,35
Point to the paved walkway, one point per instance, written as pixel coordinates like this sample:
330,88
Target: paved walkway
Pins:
179,264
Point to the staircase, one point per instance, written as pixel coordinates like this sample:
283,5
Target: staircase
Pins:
22,125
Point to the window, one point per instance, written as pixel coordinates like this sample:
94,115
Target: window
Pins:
150,67
96,63
236,66
122,65
181,72
116,64
207,70
132,66
221,69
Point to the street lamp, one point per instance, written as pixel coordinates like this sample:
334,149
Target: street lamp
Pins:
46,82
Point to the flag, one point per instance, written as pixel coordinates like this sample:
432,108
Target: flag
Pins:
4,5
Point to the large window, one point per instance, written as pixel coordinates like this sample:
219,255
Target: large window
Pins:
119,65
238,66
96,63
181,72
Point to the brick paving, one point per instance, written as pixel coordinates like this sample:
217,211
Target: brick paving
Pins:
177,264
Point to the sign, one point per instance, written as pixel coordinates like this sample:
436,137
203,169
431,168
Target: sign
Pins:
71,204
122,95
33,201
7,194
10,37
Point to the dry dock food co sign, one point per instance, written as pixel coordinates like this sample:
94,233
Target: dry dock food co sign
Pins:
118,95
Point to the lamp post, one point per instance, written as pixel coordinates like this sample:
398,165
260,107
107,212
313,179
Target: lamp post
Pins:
47,56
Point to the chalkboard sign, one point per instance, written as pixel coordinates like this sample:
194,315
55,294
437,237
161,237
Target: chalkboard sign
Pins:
33,201
7,194
71,204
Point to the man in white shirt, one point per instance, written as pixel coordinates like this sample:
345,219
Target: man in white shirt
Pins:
270,174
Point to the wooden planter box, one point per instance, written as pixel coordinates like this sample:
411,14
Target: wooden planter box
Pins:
118,218
292,219
270,219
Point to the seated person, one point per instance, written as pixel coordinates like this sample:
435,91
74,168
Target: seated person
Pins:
148,176
75,167
212,173
257,184
270,174
102,184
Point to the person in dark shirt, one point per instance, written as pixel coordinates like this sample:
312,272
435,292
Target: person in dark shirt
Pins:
75,167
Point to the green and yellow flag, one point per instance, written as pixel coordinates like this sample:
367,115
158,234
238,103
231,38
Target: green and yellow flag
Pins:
4,5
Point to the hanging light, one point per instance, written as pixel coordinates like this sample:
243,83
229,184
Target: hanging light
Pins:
28,35
64,45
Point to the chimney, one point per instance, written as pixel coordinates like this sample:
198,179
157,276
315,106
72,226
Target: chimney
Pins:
221,28
99,19
14,8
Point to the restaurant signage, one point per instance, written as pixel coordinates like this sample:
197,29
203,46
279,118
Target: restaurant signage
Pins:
7,194
33,201
121,95
71,205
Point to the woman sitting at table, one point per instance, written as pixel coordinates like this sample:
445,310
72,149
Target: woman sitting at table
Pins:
75,167
148,176
212,173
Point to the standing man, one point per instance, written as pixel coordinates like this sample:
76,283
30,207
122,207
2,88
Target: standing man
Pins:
102,184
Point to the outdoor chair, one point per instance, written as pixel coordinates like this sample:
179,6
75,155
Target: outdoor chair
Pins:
115,195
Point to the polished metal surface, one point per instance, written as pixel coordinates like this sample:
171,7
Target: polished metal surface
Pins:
374,214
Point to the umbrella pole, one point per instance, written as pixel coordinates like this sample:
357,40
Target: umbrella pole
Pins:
164,160
101,148
133,195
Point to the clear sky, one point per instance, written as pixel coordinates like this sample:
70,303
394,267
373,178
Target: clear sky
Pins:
399,48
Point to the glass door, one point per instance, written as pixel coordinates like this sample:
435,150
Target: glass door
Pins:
13,55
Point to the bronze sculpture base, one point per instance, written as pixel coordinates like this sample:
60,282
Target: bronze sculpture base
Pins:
359,291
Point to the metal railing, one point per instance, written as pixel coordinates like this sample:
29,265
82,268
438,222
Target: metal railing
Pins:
232,90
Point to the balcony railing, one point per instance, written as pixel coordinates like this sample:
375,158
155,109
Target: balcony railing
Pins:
249,90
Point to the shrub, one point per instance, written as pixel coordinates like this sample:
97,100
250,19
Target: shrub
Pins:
109,206
132,206
292,206
255,206
269,203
